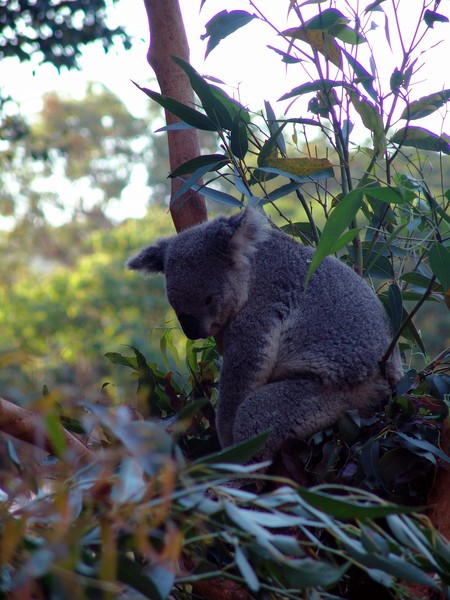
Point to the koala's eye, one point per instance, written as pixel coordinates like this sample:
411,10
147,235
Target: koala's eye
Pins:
209,300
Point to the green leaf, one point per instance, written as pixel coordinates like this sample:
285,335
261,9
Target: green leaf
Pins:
246,570
133,575
223,24
397,566
323,85
238,453
309,573
119,359
378,266
345,239
238,138
347,35
417,279
418,446
55,433
191,408
440,264
213,105
215,161
388,194
217,195
411,332
421,138
341,508
426,105
274,128
395,306
234,108
185,113
190,182
371,118
363,76
431,17
282,191
328,18
339,219
374,6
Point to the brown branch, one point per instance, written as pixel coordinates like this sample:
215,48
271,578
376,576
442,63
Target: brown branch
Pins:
167,39
27,426
439,511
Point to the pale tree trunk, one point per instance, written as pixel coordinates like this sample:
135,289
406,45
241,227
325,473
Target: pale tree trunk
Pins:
167,39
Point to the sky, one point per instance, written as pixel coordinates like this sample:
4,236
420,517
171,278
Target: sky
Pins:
251,71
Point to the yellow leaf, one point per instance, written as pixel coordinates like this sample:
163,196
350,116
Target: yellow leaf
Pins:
320,41
302,167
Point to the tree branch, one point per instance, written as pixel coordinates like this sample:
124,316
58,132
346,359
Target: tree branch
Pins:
28,427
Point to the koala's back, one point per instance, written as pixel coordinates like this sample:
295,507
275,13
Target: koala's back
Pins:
337,331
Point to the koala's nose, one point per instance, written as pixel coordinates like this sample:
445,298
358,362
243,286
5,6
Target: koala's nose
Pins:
192,327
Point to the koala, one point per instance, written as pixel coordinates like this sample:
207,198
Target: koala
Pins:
294,359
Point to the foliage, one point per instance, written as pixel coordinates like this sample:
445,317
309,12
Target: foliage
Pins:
56,32
386,221
85,148
155,514
145,519
58,320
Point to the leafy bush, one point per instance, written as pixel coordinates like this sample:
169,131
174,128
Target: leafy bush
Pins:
386,220
153,515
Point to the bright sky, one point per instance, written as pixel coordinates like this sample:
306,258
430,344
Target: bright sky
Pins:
252,72
242,60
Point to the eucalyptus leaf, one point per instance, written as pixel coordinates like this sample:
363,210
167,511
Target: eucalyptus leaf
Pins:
395,306
213,104
322,85
217,195
431,17
238,453
133,575
339,219
440,264
223,24
421,138
187,114
215,162
426,105
246,570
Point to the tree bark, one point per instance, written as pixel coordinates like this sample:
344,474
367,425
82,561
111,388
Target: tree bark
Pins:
27,426
439,511
167,39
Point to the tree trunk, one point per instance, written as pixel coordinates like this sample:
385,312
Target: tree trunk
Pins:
167,39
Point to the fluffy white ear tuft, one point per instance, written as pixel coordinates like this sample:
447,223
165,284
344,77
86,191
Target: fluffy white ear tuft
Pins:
252,229
150,259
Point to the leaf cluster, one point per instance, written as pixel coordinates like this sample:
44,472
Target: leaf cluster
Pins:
387,222
155,515
55,31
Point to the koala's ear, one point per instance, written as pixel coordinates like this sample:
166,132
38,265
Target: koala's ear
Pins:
250,229
150,259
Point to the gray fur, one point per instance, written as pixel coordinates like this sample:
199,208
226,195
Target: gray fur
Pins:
293,361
